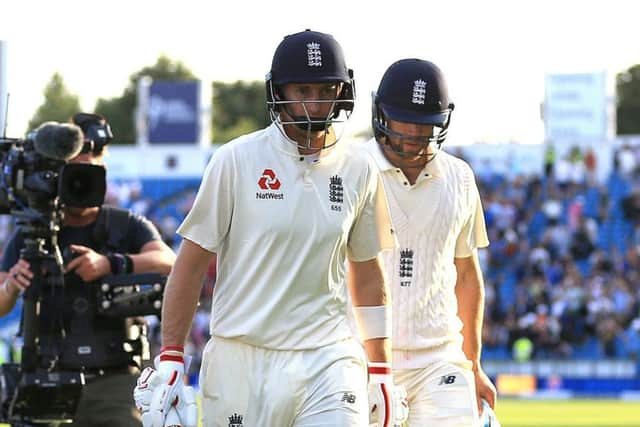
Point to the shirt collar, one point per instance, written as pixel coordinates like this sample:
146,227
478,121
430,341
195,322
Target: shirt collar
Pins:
287,146
431,169
434,167
378,156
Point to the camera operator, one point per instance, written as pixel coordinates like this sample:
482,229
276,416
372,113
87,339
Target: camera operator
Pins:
96,243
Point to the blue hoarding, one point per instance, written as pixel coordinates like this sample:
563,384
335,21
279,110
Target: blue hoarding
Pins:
173,112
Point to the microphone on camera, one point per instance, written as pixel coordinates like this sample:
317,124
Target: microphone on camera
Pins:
58,141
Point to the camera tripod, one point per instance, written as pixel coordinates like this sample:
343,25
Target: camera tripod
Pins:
38,393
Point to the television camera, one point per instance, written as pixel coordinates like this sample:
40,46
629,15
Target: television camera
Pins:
37,181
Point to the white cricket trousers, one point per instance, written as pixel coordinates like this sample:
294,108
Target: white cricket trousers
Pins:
442,394
247,386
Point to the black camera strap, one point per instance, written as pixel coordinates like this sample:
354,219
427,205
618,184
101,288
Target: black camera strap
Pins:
111,228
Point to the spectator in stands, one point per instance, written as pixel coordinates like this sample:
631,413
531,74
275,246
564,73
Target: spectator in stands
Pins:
576,161
626,160
607,330
539,259
631,207
103,240
523,349
582,243
557,238
564,173
575,290
575,212
138,204
590,165
167,227
549,160
551,205
631,339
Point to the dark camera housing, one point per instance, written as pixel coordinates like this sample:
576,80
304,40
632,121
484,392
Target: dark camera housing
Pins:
39,396
82,185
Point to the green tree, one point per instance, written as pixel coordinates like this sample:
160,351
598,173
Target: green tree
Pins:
628,101
120,110
238,108
59,104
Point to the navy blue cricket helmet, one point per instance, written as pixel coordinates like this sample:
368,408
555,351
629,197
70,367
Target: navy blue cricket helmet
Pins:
309,57
412,91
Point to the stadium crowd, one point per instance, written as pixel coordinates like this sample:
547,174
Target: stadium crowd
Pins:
562,268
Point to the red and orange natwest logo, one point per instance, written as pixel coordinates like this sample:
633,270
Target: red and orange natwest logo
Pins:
269,180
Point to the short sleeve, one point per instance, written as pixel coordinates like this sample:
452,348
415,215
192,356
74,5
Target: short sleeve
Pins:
209,219
372,231
141,231
474,232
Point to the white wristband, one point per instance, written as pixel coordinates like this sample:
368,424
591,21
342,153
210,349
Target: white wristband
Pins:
373,321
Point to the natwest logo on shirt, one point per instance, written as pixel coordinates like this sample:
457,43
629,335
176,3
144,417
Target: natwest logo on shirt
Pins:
269,181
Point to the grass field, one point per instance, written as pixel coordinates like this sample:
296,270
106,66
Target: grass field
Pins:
568,413
563,413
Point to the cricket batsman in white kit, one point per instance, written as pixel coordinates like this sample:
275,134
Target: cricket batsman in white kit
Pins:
436,283
284,209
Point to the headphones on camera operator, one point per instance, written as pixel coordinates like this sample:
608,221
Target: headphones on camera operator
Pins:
97,132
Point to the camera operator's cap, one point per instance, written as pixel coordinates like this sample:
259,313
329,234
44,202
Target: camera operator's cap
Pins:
96,131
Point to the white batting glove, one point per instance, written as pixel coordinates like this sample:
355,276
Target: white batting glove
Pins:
161,392
172,419
388,405
184,413
143,392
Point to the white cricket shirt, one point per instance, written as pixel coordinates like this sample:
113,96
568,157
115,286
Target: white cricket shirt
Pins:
282,226
437,219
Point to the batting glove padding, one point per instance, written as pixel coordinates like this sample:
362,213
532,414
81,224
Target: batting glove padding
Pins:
183,414
172,419
387,402
160,392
